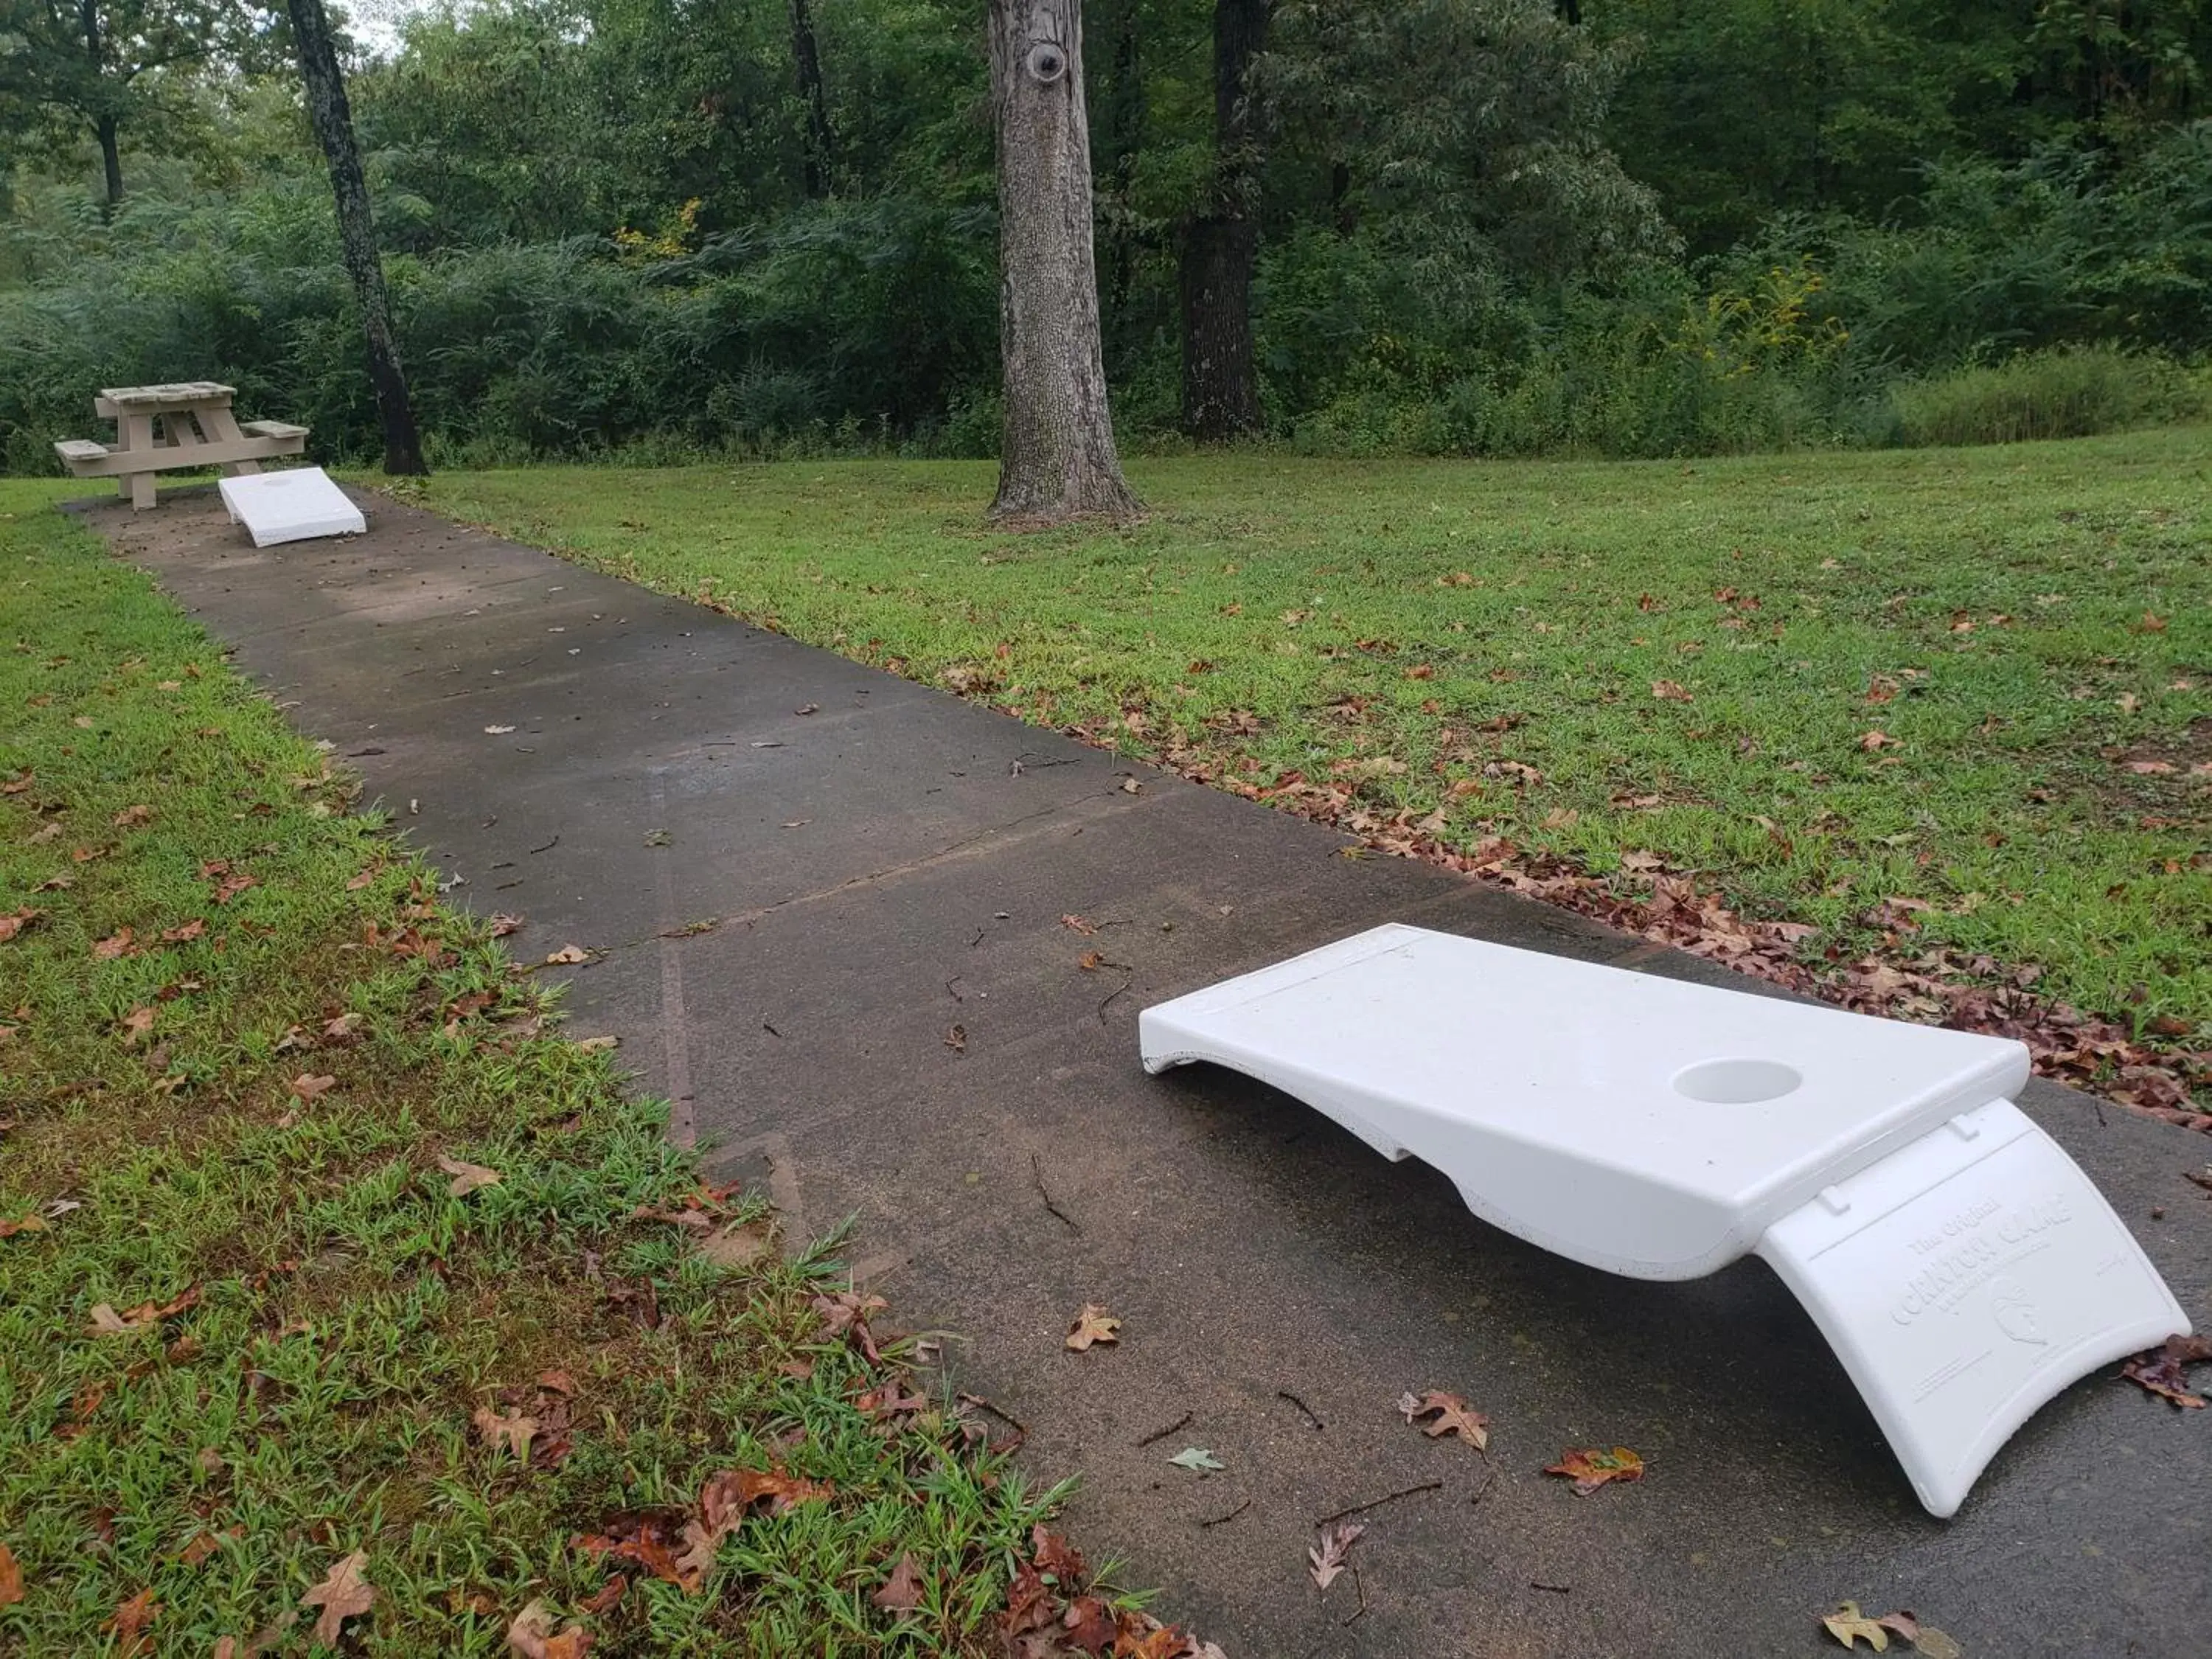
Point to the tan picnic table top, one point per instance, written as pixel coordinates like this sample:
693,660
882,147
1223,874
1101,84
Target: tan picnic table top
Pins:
176,394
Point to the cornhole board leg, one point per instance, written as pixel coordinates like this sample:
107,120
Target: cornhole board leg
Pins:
1965,1280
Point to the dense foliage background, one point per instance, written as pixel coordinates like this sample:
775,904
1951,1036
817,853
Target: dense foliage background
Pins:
1620,227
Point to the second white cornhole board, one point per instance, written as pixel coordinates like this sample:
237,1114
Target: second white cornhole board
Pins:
1960,1264
296,505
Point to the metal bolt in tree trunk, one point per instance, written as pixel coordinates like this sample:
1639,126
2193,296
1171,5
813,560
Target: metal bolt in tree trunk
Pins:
333,119
1056,459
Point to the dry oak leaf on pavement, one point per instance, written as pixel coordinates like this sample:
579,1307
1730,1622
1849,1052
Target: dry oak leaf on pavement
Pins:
1594,1467
1093,1325
1452,1417
1851,1626
530,1635
1326,1560
345,1595
2164,1370
466,1177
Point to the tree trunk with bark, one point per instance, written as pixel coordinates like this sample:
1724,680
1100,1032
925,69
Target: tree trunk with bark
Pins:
1221,242
111,159
332,120
104,125
1057,458
821,141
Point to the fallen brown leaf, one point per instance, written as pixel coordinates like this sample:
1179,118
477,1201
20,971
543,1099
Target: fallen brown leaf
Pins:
956,1038
606,1597
1594,1467
11,1577
15,923
127,1624
503,924
901,1591
1873,740
509,1429
116,944
1093,1325
184,935
567,953
1451,1414
530,1635
1670,691
132,817
137,1023
2164,1370
467,1177
1326,1560
306,1085
345,1594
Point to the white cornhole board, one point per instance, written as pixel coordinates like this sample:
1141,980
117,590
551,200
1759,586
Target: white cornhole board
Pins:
292,506
1960,1264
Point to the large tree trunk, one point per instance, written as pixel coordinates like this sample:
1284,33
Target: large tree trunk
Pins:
1056,457
333,119
821,142
1221,243
111,159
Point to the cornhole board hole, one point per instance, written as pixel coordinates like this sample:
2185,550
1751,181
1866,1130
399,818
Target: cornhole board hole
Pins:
1961,1266
295,506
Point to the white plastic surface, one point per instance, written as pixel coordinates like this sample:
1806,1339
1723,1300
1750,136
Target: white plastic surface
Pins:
292,506
1662,1130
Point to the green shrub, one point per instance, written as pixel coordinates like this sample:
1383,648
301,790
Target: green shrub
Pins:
2069,391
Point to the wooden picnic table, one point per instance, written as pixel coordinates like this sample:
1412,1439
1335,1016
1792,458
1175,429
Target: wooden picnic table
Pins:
164,429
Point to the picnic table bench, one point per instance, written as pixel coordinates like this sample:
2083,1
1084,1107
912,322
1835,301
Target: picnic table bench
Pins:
165,429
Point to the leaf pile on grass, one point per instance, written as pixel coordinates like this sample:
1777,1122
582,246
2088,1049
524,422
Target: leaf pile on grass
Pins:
341,1301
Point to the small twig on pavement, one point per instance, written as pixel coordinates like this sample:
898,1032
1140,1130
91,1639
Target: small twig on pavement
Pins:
1036,1174
1483,1491
1285,1394
548,846
771,1029
950,991
1003,1415
1377,1503
1223,1520
1556,1590
1359,1585
977,940
1110,996
1162,1434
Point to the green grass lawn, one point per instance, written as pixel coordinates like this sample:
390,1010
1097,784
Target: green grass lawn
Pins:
1687,660
260,1312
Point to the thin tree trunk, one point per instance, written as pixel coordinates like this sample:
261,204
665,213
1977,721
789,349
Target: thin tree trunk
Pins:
1056,459
821,142
1125,138
104,125
111,159
1221,244
333,119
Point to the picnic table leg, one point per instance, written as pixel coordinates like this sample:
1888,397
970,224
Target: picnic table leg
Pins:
138,432
219,426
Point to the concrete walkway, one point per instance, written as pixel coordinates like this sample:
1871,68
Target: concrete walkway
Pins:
886,864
